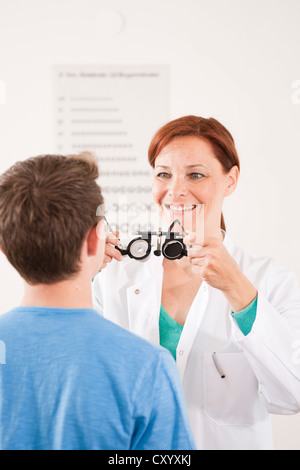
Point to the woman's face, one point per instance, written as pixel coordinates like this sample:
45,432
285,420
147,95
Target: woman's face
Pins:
189,185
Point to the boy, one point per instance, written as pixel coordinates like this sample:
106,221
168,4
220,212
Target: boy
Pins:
71,379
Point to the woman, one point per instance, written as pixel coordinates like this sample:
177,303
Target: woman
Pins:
230,319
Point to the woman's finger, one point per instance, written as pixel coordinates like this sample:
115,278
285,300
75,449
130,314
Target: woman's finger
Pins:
112,238
112,252
197,252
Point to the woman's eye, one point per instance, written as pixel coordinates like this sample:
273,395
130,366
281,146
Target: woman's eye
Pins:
196,176
163,175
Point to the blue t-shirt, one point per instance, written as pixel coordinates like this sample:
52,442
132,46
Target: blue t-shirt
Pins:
73,380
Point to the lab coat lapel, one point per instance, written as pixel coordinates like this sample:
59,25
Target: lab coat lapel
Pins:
191,327
196,315
144,298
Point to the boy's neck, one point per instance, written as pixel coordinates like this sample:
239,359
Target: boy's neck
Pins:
75,293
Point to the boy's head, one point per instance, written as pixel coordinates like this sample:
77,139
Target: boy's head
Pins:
48,205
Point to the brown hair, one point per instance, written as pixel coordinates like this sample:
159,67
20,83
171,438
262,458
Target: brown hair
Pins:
206,128
48,204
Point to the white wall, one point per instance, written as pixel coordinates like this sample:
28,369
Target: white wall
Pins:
235,60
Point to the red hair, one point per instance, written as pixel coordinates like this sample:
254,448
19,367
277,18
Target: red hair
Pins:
209,129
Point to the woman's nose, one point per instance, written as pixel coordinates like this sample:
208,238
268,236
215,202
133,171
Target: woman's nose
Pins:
177,189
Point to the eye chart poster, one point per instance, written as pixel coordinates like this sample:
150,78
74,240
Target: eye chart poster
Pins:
113,111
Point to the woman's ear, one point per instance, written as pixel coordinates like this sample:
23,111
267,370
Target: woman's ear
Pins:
232,180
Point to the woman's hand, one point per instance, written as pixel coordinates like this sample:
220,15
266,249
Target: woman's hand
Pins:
110,251
214,264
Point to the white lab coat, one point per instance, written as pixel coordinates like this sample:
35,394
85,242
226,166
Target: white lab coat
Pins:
262,369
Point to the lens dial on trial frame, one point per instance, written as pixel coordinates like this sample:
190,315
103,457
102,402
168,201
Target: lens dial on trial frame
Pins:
174,249
139,248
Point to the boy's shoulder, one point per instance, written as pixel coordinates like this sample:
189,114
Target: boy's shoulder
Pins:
129,339
84,326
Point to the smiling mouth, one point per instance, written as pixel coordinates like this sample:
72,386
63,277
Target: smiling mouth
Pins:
180,208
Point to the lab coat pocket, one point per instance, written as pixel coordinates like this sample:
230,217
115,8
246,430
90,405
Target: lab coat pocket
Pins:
233,399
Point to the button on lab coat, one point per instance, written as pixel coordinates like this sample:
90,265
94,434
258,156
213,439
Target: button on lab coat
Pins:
262,369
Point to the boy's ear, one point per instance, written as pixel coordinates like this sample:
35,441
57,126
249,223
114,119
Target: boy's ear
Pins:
92,241
95,236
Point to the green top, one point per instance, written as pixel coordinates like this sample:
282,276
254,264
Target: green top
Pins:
170,331
245,318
